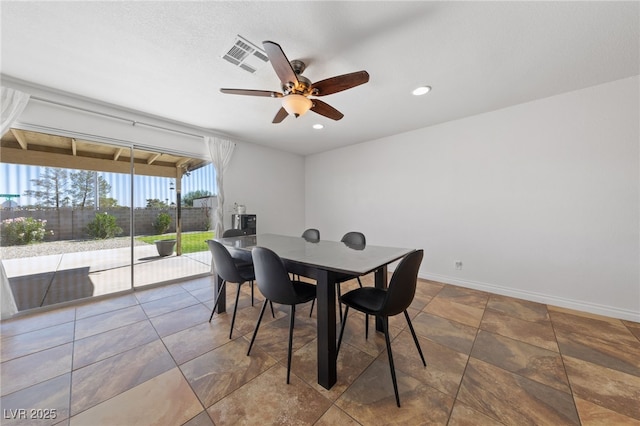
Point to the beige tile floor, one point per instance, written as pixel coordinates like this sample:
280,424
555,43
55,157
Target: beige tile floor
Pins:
151,357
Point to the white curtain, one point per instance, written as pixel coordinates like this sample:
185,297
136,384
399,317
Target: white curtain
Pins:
13,103
220,151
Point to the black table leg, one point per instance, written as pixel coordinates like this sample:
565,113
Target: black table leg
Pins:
326,326
222,300
381,282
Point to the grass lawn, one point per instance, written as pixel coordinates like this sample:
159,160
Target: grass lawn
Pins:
191,241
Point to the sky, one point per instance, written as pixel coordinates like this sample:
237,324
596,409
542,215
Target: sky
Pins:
17,178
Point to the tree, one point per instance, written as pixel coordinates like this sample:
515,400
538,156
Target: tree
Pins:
187,200
108,202
154,203
83,191
51,187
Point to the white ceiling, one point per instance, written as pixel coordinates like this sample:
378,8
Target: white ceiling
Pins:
164,58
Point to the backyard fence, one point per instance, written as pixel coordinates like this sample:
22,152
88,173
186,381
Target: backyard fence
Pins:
71,224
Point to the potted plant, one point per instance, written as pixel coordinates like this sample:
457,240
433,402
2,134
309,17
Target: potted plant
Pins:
165,247
161,225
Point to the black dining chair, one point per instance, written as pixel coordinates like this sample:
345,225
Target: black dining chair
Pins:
240,257
357,241
387,303
311,235
230,270
232,233
276,286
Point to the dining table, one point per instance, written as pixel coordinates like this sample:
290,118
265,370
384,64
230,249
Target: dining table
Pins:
324,261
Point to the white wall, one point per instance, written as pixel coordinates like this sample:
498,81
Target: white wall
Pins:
539,201
268,181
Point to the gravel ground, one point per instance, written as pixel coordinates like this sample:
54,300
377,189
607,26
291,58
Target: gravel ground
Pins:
68,246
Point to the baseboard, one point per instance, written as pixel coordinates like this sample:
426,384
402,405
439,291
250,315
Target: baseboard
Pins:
578,305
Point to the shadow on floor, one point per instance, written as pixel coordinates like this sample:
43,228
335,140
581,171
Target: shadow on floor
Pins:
49,288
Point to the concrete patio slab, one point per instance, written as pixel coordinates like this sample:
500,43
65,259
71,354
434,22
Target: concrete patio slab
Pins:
47,280
32,265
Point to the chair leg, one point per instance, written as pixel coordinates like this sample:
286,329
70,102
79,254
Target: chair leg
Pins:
313,302
273,314
346,312
338,295
385,325
415,338
251,293
291,321
235,309
366,316
255,332
215,302
366,326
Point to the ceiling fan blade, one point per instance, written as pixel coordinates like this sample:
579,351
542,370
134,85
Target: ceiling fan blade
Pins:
280,63
325,109
249,92
340,83
280,115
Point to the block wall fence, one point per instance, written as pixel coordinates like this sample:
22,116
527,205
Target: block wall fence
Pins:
71,224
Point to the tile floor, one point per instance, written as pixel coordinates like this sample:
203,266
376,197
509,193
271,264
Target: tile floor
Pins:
152,357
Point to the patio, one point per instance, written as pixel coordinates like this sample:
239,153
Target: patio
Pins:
51,279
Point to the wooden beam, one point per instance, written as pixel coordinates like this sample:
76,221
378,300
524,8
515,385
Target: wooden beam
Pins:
117,154
183,162
74,147
20,139
66,161
153,158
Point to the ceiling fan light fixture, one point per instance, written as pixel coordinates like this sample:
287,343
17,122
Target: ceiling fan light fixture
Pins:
296,104
422,90
296,88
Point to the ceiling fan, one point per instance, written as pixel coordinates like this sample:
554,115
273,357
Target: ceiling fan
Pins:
297,89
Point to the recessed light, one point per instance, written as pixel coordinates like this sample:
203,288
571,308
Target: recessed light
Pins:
318,126
421,90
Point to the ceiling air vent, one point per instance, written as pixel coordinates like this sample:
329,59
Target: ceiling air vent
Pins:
246,55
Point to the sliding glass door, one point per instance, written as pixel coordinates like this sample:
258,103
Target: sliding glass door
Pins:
65,231
172,220
82,219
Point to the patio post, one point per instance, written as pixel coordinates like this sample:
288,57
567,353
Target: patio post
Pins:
178,211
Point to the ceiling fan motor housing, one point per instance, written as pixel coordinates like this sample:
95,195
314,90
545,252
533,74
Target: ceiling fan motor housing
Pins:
303,86
298,66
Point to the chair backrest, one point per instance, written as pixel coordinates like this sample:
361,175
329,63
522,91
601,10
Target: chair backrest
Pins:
402,287
354,240
311,235
272,277
223,262
232,233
